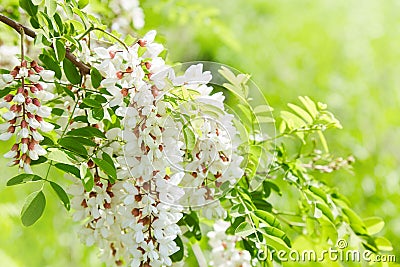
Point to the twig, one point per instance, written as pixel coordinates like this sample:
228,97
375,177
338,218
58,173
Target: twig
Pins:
84,69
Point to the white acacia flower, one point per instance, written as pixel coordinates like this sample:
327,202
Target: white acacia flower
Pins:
7,78
5,136
9,115
37,136
23,72
46,126
10,154
43,111
47,75
193,77
19,98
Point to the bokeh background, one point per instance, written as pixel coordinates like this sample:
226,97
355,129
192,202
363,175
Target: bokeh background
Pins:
345,53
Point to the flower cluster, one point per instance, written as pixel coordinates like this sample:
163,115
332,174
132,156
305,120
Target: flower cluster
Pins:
25,113
129,12
130,226
224,251
176,149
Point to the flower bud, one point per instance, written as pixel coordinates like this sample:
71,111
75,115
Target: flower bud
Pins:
33,64
11,129
135,212
142,42
112,54
124,92
120,74
33,89
147,65
15,147
39,86
8,98
36,102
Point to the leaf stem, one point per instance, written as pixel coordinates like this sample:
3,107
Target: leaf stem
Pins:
113,36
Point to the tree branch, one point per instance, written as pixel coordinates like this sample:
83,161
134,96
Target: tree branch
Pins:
84,69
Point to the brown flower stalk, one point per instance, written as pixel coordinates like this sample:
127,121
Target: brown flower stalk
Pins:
84,69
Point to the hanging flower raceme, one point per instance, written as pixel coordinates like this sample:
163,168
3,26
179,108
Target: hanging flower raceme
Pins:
160,173
25,113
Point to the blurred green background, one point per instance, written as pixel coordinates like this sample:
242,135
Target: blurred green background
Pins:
345,53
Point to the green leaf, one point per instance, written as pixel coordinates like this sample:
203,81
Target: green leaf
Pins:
59,156
46,141
262,204
318,192
192,222
57,111
178,256
95,77
34,22
5,92
275,242
82,140
68,168
272,231
268,184
190,138
292,120
29,7
87,132
309,105
71,72
80,119
107,158
326,211
51,64
301,112
36,2
60,50
383,244
62,195
72,145
355,221
40,160
68,92
262,109
23,178
98,113
107,168
33,208
91,103
88,181
244,229
82,3
265,119
58,21
268,218
237,210
46,22
51,6
374,225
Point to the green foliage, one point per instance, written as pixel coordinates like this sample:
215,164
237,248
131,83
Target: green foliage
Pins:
255,213
23,178
33,208
62,195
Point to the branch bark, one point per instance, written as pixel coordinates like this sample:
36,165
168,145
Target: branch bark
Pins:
84,69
